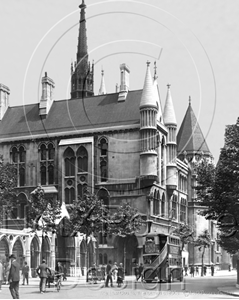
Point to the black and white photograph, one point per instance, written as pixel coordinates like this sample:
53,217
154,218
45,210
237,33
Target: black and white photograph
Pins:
119,149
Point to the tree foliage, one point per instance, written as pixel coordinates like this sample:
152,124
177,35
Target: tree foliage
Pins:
185,233
8,183
125,221
203,241
43,212
218,189
88,215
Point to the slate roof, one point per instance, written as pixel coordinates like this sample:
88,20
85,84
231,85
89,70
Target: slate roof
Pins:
190,137
74,114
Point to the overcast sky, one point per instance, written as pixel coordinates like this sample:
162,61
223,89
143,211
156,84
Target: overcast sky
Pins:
194,43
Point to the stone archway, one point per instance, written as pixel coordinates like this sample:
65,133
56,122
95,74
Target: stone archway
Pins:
4,249
126,252
18,251
35,253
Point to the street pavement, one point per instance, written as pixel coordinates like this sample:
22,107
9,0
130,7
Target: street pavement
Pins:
220,286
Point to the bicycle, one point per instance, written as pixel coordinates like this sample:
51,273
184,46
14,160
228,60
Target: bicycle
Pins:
57,279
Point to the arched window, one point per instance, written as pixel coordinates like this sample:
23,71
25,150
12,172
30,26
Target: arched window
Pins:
103,194
22,176
51,152
82,159
22,154
103,147
50,174
69,157
103,171
43,152
43,175
14,155
69,195
174,207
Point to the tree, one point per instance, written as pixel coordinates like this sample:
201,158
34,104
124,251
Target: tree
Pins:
8,183
43,213
125,221
186,235
89,216
202,242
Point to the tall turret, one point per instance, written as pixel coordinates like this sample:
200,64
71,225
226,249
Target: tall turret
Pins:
148,131
102,89
82,74
171,123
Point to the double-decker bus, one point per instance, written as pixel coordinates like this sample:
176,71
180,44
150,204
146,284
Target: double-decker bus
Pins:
162,259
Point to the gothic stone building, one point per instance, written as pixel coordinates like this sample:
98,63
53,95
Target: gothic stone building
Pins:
122,146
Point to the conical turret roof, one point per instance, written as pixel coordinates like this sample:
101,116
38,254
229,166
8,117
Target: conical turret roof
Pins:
168,113
190,137
157,98
148,96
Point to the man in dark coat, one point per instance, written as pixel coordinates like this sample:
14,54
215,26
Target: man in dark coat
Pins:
14,277
25,273
43,272
109,275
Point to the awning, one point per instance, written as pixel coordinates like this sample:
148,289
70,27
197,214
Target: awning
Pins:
50,189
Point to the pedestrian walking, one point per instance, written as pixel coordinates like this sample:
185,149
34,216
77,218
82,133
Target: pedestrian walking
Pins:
141,272
212,270
192,270
14,277
197,270
1,274
115,271
25,273
229,267
205,270
120,275
186,270
43,272
64,272
109,274
136,271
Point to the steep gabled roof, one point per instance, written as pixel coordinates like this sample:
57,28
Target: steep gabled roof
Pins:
71,115
190,137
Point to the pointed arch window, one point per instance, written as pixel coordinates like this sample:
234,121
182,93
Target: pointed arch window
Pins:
14,155
69,157
22,155
103,159
69,195
103,147
22,176
43,175
82,159
47,163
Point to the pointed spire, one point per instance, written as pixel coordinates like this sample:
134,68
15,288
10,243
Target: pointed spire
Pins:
190,137
102,89
82,50
157,96
147,98
168,113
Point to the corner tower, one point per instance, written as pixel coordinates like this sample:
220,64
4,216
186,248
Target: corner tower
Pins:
148,131
82,74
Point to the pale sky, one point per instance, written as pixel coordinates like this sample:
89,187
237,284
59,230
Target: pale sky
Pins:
194,42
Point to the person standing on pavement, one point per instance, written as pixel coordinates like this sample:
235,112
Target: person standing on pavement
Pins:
25,273
120,275
212,270
109,275
1,274
64,272
197,270
192,271
42,272
14,277
186,270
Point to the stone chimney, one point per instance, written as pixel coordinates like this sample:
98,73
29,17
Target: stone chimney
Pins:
4,99
46,101
124,82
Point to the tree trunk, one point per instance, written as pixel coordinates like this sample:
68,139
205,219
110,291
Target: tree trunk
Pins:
87,262
125,256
